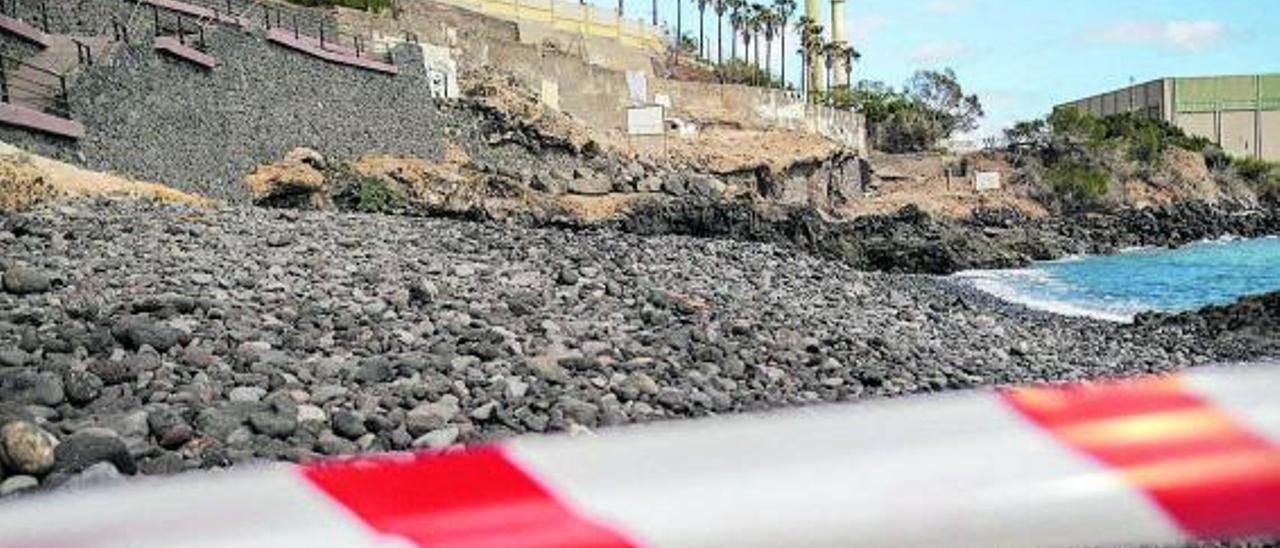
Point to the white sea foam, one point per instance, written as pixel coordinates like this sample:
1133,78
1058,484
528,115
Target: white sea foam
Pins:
1013,286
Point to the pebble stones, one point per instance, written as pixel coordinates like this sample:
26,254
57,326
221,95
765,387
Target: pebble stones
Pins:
92,446
23,280
337,344
26,449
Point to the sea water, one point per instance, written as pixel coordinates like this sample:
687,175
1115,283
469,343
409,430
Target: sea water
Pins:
1116,287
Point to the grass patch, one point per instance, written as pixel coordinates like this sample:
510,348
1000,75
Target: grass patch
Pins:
1076,185
1262,176
371,195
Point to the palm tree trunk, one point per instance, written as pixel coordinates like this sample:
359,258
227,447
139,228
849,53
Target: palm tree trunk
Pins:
679,22
784,54
702,33
757,44
720,39
733,41
768,57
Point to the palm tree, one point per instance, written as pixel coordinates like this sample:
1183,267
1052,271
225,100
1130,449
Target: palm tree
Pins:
829,51
721,5
747,26
784,9
851,55
757,28
679,24
810,43
770,26
702,33
735,23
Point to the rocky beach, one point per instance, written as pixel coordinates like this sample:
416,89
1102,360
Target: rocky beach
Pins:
147,339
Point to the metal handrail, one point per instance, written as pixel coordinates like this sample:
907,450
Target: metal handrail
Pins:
11,9
326,37
54,93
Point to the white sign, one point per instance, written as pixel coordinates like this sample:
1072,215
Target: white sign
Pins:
442,69
645,120
439,84
550,95
637,87
986,180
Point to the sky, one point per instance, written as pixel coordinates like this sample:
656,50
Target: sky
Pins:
1022,57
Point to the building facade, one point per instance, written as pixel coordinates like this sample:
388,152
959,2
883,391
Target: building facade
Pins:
1240,113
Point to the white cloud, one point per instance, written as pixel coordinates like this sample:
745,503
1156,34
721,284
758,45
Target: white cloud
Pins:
946,7
864,25
938,52
1174,35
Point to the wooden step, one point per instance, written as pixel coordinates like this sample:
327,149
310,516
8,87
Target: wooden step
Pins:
311,45
23,117
24,30
198,12
174,47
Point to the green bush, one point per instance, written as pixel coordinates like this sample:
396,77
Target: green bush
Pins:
1144,138
371,195
1262,176
1078,185
1254,170
738,71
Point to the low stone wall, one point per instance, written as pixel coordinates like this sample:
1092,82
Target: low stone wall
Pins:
591,89
166,120
754,107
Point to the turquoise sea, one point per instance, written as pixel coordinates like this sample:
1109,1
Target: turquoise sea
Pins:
1116,287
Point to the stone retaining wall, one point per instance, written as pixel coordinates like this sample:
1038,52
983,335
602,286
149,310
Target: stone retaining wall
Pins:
165,120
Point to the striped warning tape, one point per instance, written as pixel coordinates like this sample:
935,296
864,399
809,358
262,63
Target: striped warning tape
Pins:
1148,461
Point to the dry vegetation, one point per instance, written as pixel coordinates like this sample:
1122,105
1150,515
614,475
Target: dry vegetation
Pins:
27,180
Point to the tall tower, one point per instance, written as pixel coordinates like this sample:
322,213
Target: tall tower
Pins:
839,74
813,10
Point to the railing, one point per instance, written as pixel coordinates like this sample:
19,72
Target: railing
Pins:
10,8
83,53
39,87
329,36
178,26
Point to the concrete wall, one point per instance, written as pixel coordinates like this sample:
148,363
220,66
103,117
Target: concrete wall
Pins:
1239,113
757,108
474,31
1270,146
597,93
1150,98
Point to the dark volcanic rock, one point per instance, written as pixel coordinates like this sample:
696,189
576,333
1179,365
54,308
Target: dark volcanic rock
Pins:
89,447
1245,329
22,280
222,349
136,332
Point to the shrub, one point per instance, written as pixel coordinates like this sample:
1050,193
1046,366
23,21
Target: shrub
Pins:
1262,176
1077,185
1253,170
371,195
738,71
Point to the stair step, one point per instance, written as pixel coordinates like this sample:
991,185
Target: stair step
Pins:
23,117
24,30
311,45
172,46
198,12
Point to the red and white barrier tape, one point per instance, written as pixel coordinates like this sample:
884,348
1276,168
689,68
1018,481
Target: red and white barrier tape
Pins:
1148,461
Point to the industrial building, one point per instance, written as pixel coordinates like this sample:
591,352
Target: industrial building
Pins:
1240,113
